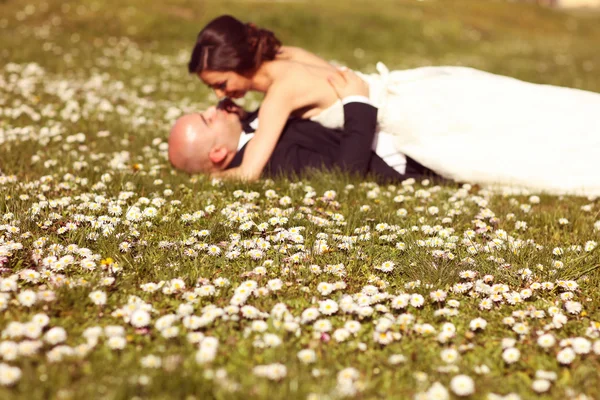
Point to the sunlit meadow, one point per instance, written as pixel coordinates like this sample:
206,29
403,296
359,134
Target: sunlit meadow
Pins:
122,279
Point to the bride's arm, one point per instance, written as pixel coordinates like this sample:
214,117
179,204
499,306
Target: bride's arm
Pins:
272,115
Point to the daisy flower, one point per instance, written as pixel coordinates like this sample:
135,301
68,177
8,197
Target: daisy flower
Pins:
462,385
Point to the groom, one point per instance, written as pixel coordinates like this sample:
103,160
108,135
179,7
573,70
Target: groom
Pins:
215,140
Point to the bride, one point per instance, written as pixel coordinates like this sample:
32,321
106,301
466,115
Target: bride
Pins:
465,124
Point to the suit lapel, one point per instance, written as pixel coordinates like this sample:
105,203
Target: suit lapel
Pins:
248,120
239,156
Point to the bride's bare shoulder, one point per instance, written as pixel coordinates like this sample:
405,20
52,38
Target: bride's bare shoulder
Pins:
301,55
302,88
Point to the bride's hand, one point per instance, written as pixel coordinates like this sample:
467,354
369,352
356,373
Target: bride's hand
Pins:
347,83
233,174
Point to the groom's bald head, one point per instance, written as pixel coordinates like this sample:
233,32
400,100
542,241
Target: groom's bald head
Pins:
204,142
189,144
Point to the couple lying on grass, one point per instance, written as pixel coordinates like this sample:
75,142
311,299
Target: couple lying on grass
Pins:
456,123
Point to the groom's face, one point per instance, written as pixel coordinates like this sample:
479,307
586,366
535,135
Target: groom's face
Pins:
222,129
220,124
204,142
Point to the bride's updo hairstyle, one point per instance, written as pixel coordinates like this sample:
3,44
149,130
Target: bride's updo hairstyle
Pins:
227,44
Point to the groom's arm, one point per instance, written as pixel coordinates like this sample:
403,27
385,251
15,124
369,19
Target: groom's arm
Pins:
360,123
306,144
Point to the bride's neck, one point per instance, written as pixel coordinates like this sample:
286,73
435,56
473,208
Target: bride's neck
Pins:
263,77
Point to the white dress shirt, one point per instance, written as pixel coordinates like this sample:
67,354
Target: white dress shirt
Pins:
245,137
383,143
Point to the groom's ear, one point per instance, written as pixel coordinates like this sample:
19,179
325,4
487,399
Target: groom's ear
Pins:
217,154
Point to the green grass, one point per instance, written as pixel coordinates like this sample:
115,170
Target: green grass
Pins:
109,66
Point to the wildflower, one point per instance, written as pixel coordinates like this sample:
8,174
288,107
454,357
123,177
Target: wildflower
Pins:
352,326
27,298
348,374
400,301
9,375
310,314
387,266
221,282
453,303
273,371
553,310
547,375
207,351
195,337
140,319
477,323
540,385
322,325
151,361
250,312
205,290
424,329
98,297
438,296
573,307
521,225
568,285
107,281
114,330
275,285
365,311
92,333
29,347
259,326
416,300
307,356
511,355
581,345
328,307
9,350
467,274
486,304
383,338
177,285
521,328
449,356
437,391
271,340
116,342
214,250
558,320
396,359
546,341
566,296
482,369
462,385
150,287
55,335
566,356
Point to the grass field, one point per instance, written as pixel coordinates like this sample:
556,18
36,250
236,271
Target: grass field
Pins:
122,279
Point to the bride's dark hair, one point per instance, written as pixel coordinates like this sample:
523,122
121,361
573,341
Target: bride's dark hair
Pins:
227,44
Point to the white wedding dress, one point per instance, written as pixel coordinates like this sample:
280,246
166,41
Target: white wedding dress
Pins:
500,132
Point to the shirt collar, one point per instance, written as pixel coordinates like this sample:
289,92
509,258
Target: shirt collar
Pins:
247,133
244,139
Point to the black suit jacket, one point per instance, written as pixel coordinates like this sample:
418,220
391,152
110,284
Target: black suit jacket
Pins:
305,144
